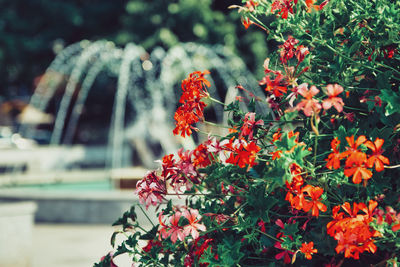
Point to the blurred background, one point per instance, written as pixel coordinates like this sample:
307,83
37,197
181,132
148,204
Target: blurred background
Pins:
87,94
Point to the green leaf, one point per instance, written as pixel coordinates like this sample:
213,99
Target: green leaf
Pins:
150,235
392,101
127,218
113,236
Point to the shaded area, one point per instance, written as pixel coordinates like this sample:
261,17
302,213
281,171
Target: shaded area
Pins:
32,32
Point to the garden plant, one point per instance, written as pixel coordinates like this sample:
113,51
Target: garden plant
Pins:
313,182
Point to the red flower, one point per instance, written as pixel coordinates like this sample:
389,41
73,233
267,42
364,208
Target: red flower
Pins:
285,254
376,158
285,6
277,86
194,89
202,158
242,153
194,86
301,52
276,154
247,23
308,250
288,50
249,123
333,91
151,244
389,50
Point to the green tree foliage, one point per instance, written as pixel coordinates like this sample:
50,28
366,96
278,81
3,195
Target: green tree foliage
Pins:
31,32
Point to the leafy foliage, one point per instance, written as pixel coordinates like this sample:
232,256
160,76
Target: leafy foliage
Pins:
315,181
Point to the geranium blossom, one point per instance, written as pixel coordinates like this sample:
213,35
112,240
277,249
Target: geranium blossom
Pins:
242,153
333,100
285,254
288,49
352,230
175,230
356,167
309,105
249,123
301,52
194,88
334,158
151,189
315,205
277,87
193,228
376,158
308,249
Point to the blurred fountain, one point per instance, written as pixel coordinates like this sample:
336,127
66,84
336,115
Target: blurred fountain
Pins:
146,93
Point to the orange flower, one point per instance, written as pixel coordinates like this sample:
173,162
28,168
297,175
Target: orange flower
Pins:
314,192
334,158
355,166
376,158
352,230
194,86
308,250
276,154
277,136
353,146
294,187
247,22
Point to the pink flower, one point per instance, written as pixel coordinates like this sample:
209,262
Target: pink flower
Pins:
176,232
193,227
151,189
249,124
309,105
333,91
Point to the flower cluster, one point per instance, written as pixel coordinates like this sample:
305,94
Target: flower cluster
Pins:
352,230
194,88
309,105
275,189
357,162
242,153
304,198
174,228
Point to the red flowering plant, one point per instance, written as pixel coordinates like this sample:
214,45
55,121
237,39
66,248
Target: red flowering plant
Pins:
314,181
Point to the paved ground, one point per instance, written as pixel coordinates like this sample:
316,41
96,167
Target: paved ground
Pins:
71,245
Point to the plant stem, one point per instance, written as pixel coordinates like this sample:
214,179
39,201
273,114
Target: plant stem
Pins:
268,235
145,214
216,125
216,100
392,167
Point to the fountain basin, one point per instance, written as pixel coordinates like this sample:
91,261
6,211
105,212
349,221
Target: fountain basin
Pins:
64,206
84,206
16,223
